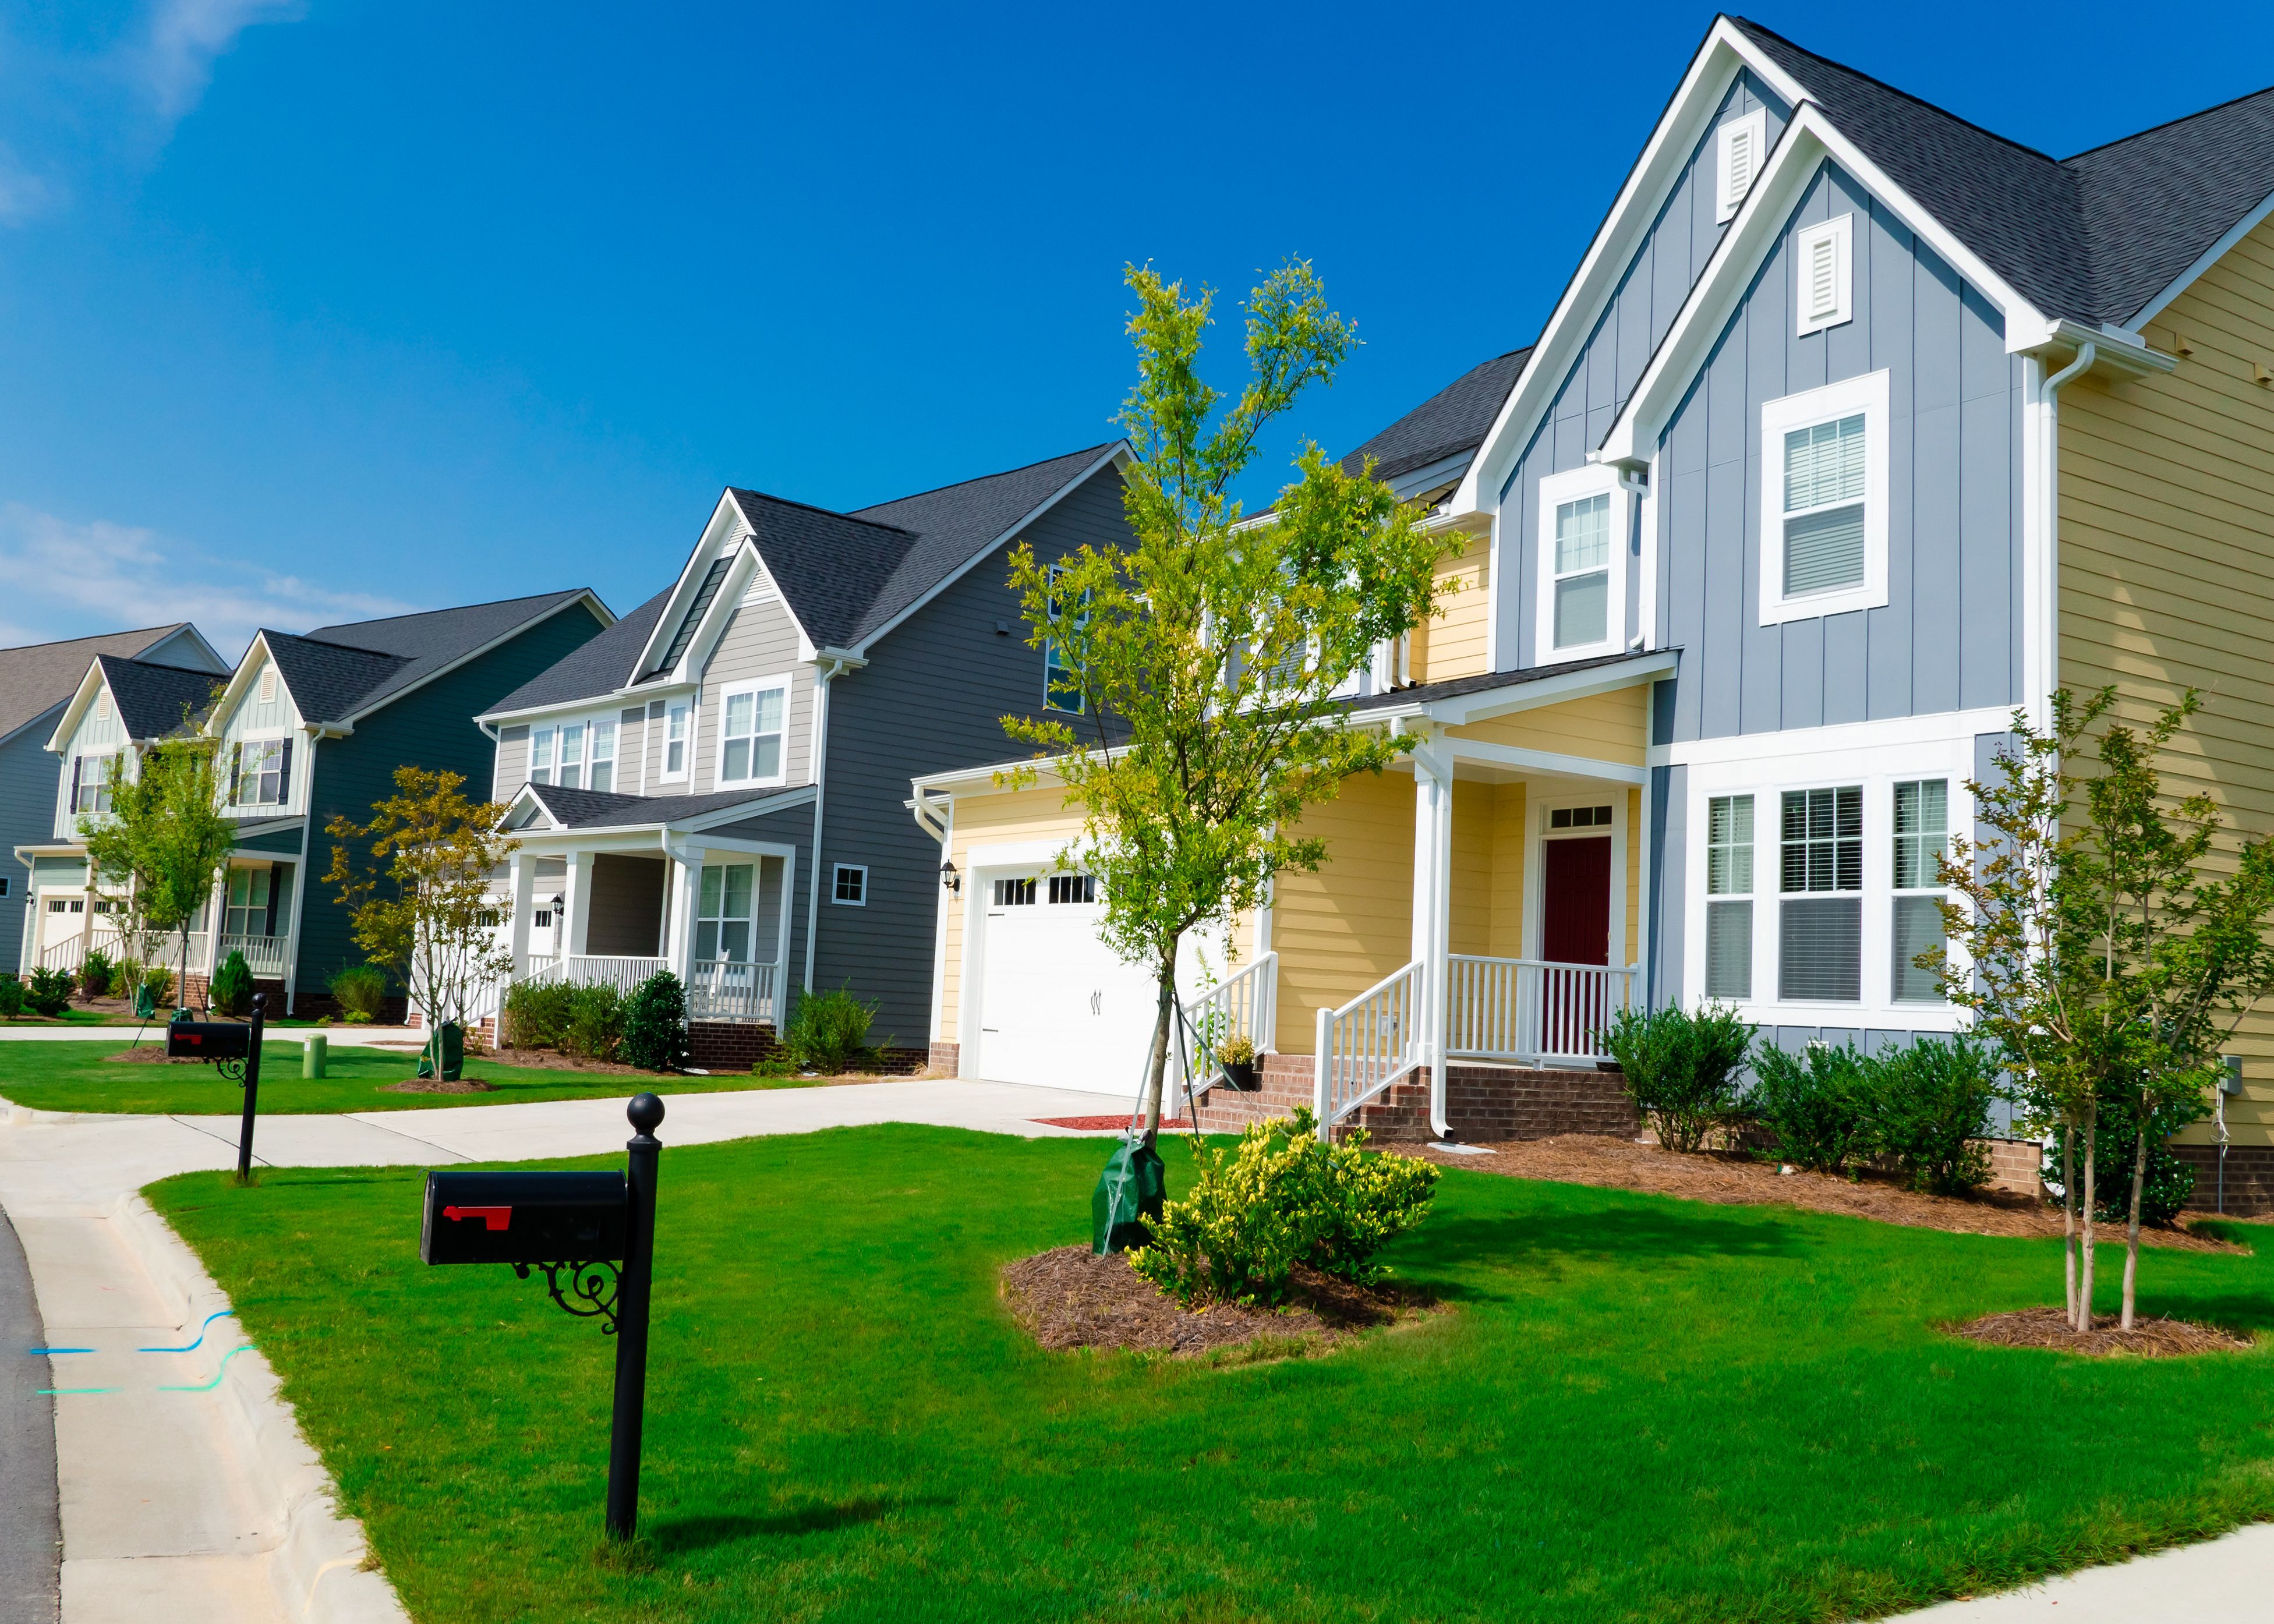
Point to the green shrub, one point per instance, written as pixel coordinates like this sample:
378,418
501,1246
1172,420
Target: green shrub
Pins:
536,1013
231,992
49,993
360,991
1278,1199
829,1032
595,1027
2169,1181
12,998
1818,1105
1682,1069
160,981
95,972
1930,1106
655,1024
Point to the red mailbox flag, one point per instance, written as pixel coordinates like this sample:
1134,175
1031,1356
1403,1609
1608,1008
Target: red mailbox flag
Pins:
492,1217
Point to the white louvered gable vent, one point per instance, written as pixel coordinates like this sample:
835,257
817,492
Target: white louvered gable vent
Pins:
1825,274
1739,152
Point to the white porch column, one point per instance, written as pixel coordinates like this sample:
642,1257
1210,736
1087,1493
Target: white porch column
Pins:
686,902
521,883
578,889
1433,886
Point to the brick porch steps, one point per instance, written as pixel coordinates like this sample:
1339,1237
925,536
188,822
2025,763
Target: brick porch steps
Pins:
1483,1102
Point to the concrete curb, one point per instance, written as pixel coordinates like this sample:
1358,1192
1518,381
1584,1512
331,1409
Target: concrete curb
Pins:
322,1568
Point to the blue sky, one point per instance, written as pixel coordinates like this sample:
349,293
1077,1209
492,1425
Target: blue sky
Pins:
313,310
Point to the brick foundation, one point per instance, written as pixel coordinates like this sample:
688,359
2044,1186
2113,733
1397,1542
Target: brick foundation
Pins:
2250,1179
1483,1102
2015,1165
947,1058
729,1045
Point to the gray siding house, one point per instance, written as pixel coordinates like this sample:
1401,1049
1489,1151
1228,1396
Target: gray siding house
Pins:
36,682
719,784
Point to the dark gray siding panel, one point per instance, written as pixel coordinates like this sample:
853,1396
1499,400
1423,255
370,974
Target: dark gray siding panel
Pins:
931,698
431,727
1949,635
284,842
30,779
626,910
1670,855
1650,294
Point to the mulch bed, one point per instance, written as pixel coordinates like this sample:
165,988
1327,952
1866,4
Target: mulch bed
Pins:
1068,1297
553,1060
2049,1328
435,1085
1734,1179
149,1054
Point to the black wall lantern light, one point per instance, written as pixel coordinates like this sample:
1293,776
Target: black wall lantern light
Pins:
949,878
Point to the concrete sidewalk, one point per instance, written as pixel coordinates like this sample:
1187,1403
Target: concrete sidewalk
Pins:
2225,1581
186,1493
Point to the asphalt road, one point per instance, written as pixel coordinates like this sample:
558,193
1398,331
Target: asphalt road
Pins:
31,1539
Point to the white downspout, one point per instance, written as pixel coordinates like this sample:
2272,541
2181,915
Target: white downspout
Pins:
826,669
2046,677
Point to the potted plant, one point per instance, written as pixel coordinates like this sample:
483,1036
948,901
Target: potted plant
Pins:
1237,1056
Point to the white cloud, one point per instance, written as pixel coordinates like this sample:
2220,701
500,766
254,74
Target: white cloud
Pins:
22,193
176,58
74,580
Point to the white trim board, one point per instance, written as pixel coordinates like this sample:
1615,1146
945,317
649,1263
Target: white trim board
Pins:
1893,732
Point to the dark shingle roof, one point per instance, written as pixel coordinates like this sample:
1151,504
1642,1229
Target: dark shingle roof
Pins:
157,701
415,646
1454,687
2092,238
592,809
1455,420
600,666
38,677
828,565
330,680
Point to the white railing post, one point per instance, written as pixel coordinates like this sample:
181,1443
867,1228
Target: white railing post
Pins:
1320,1068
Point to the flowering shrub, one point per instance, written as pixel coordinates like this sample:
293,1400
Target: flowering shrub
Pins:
1279,1199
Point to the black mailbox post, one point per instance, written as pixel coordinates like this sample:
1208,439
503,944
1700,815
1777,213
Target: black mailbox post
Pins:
592,1235
233,1048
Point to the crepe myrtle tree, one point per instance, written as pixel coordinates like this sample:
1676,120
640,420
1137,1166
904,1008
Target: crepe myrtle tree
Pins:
164,841
1195,668
2107,939
418,902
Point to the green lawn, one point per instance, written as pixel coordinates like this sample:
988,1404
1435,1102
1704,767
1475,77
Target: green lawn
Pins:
73,1075
1641,1408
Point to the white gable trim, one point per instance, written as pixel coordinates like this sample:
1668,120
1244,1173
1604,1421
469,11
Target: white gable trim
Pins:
727,527
1726,51
232,695
1751,237
1118,455
2210,257
75,707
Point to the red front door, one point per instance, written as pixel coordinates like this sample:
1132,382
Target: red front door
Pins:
1575,928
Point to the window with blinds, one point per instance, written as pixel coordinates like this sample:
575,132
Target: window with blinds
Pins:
1729,890
1583,571
1820,937
1824,491
1921,826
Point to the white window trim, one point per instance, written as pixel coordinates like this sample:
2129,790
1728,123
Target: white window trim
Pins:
1757,122
1869,395
1555,491
1878,766
1840,232
663,772
718,779
847,902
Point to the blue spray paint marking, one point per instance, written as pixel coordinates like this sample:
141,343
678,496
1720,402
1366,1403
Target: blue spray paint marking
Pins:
61,1392
40,1352
187,1348
219,1370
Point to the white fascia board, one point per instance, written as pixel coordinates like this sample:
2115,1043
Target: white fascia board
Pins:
619,696
586,596
2113,351
1544,761
2210,257
526,795
75,707
1117,455
1680,127
784,801
725,515
1483,706
1808,139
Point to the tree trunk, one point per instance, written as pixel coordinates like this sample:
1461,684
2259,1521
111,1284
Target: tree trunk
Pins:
2069,1217
2084,1284
2132,1230
1157,1068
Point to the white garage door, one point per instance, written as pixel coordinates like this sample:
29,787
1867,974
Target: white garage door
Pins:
1057,1008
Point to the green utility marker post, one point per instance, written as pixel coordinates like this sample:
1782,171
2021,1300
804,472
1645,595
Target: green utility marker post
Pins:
315,1050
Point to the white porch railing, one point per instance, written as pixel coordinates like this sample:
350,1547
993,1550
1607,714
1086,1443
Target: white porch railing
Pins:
1532,1010
589,970
721,990
1246,1006
71,952
264,956
1368,1044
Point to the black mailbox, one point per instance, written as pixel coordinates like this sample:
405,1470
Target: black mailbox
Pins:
524,1218
208,1039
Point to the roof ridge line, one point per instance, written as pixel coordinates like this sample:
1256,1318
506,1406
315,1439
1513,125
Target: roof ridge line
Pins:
2182,118
999,473
420,614
831,513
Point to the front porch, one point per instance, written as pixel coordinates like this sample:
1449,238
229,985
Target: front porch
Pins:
72,917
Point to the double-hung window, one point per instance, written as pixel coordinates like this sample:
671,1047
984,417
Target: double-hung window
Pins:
1824,513
722,918
1922,827
90,784
1583,551
602,772
247,914
264,773
675,726
750,732
572,755
1062,688
1729,896
1820,912
540,755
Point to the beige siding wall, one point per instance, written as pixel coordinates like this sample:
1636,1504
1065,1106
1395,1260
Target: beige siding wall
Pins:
1343,928
1612,728
1453,643
2167,561
760,641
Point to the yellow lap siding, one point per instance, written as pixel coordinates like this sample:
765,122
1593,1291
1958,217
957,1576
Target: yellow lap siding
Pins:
1453,643
1508,815
1343,928
2168,563
1609,727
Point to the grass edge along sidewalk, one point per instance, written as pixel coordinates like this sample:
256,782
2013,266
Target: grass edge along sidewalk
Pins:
1639,1407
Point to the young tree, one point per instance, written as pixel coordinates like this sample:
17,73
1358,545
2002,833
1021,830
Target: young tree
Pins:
1203,659
2100,947
164,840
418,904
